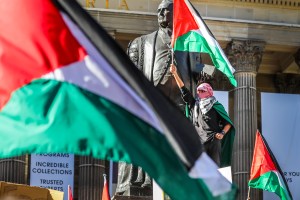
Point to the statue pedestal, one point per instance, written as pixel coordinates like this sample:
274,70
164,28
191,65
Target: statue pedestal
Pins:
135,193
118,197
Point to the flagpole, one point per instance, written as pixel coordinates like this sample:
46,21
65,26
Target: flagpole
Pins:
172,54
248,198
172,45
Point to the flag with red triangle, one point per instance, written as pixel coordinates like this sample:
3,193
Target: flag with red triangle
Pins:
265,171
191,34
70,196
105,192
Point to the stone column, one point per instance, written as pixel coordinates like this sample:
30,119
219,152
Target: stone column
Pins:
91,180
245,56
13,170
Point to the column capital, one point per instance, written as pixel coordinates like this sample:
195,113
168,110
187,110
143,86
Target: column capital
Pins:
245,55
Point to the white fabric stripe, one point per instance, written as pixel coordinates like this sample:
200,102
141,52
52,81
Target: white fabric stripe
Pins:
281,182
96,75
206,34
207,170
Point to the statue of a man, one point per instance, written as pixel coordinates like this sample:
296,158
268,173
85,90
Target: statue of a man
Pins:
152,54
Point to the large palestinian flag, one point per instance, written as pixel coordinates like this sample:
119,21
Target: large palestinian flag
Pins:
191,34
67,87
265,172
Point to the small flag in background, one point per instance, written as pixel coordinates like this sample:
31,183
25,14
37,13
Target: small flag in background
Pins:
190,33
70,196
265,171
105,192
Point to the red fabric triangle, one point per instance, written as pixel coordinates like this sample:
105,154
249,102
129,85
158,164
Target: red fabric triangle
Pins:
183,20
105,192
34,42
262,161
70,196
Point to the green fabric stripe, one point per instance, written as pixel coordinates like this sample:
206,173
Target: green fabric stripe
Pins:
50,116
270,182
227,141
194,42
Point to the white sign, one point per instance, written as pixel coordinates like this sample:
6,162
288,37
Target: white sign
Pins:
53,171
222,97
280,127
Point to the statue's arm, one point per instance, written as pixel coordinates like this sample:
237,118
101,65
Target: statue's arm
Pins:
133,51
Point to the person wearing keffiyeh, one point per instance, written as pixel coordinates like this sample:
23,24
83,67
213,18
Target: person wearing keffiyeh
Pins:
210,119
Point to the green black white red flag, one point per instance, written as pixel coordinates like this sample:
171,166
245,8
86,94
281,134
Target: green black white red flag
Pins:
191,34
70,196
265,172
67,87
105,191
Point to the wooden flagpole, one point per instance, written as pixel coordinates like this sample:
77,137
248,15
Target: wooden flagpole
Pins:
248,198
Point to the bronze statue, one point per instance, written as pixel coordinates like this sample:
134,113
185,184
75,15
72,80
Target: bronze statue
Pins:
152,54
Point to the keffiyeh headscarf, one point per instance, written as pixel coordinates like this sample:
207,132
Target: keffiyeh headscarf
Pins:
208,91
207,99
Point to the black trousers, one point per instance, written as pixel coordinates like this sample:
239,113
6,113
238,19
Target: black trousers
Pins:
213,150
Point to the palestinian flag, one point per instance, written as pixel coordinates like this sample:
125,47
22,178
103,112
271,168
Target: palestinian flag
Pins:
67,87
70,196
265,172
191,34
105,191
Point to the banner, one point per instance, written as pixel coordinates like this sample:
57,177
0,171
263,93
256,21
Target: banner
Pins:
280,127
53,171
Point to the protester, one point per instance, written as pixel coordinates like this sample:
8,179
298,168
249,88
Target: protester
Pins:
208,116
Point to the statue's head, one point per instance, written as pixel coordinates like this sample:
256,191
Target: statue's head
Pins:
165,14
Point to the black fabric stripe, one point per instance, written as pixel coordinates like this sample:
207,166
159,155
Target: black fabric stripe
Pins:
178,130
